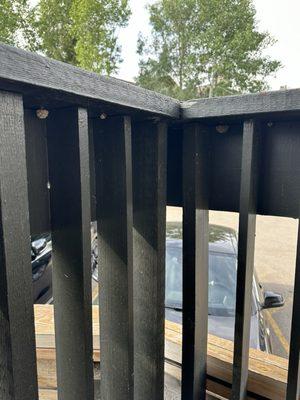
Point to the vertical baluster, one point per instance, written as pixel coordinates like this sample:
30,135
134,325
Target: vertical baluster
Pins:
246,242
195,260
293,386
149,218
67,131
18,379
37,172
113,167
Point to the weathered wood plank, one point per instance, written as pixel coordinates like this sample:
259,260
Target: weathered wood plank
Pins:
267,372
47,394
67,132
26,70
113,166
195,178
149,220
243,105
171,390
246,242
293,388
18,379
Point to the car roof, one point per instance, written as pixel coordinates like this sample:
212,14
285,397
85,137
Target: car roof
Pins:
222,239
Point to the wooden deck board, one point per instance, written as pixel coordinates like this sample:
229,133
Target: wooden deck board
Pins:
267,373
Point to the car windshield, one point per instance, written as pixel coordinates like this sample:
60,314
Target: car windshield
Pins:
222,281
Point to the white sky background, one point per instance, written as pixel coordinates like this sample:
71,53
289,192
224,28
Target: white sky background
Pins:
280,17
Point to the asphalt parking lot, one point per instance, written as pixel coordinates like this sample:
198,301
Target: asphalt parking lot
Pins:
275,257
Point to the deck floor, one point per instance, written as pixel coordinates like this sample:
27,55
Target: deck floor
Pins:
172,391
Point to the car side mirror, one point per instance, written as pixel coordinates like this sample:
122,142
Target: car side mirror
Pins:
273,300
38,245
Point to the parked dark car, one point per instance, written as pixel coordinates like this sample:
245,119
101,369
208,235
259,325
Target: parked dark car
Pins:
41,261
222,282
222,287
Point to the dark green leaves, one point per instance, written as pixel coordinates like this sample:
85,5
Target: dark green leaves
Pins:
204,48
79,32
82,32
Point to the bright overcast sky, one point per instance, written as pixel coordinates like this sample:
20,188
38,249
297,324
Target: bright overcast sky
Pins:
280,17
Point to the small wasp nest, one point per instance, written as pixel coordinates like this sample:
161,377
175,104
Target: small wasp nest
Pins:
41,113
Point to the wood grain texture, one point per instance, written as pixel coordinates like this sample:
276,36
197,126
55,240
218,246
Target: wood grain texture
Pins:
25,70
170,392
244,105
279,188
245,264
195,179
20,67
17,342
293,388
113,175
149,142
47,394
267,373
69,172
37,172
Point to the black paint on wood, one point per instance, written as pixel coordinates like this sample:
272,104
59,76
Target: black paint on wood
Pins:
113,166
225,168
246,243
293,386
279,190
18,377
67,132
196,175
245,105
149,219
92,170
174,166
37,172
280,169
28,72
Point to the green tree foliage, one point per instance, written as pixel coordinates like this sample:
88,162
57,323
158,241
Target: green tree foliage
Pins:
8,22
15,27
81,32
201,48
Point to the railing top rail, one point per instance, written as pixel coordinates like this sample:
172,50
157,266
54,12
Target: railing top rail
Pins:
243,105
23,72
41,78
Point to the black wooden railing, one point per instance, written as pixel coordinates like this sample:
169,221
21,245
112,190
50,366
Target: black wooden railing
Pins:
113,152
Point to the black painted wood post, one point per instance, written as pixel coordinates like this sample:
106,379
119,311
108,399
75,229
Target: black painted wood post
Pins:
149,220
18,375
67,131
37,172
195,260
293,385
113,176
246,243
